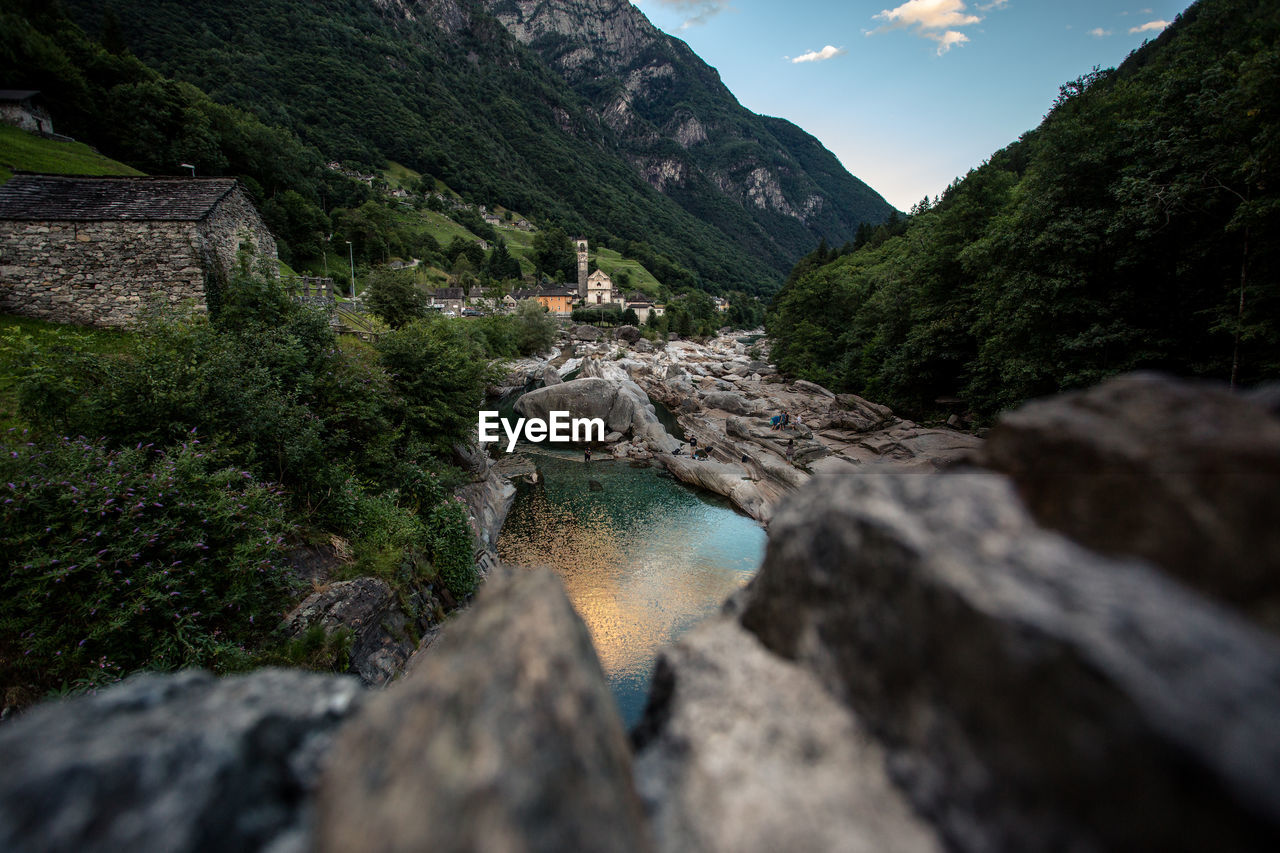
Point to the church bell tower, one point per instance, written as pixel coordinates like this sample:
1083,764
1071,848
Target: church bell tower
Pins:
582,268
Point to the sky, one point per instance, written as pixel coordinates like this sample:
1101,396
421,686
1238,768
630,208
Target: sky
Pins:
909,95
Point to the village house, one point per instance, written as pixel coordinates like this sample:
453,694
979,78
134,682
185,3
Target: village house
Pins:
641,304
447,299
557,300
98,251
25,109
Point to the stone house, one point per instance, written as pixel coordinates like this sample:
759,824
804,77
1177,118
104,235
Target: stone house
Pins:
448,299
97,251
25,108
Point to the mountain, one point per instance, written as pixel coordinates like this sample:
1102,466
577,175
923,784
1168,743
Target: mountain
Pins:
1138,227
443,87
756,178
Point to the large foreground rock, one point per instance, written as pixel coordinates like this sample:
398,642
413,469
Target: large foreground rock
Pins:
503,736
741,751
174,763
1034,695
1184,474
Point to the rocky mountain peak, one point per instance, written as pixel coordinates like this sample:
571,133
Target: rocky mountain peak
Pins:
587,32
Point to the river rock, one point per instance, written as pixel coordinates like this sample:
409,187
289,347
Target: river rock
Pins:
550,376
586,333
181,762
1184,474
729,480
1034,695
805,386
622,404
728,401
504,736
360,608
741,751
630,334
470,457
642,346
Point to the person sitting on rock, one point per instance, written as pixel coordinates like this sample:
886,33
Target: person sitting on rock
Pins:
791,451
775,422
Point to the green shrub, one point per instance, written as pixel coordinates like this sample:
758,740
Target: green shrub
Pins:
119,560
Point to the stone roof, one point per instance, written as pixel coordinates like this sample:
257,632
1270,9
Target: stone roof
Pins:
60,198
447,293
566,290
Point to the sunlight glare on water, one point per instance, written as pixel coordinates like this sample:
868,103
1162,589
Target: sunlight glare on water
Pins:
642,559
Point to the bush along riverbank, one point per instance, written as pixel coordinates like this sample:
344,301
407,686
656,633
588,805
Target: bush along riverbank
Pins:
169,498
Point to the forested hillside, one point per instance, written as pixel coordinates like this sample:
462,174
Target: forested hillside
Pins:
443,88
764,181
1137,227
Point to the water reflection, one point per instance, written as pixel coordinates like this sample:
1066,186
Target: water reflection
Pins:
642,559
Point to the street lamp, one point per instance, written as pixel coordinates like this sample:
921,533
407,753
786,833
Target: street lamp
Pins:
189,166
352,256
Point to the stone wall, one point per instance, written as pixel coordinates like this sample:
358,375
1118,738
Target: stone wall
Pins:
96,273
232,222
105,273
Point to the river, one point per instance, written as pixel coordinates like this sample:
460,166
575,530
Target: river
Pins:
643,558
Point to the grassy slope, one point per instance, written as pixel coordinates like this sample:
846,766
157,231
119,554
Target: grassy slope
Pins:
23,151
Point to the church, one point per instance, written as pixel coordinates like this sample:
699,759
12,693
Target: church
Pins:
596,288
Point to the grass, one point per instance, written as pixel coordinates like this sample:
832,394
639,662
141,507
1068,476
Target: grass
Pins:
46,334
27,152
613,263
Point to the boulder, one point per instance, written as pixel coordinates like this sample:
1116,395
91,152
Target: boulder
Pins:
504,736
180,762
741,751
728,401
630,334
550,376
642,346
1184,474
807,387
622,404
1033,695
586,333
729,480
358,608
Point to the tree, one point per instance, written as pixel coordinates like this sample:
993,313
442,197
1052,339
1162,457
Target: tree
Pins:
535,331
630,318
554,255
439,374
501,265
392,295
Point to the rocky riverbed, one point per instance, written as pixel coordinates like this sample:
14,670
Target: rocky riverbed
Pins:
724,399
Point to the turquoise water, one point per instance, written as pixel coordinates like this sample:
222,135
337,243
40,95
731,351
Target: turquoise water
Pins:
643,559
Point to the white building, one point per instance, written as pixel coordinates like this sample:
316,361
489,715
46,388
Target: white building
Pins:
599,288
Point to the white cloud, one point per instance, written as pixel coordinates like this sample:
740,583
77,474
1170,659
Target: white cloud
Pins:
1150,27
938,20
947,39
698,11
1099,32
820,55
929,15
